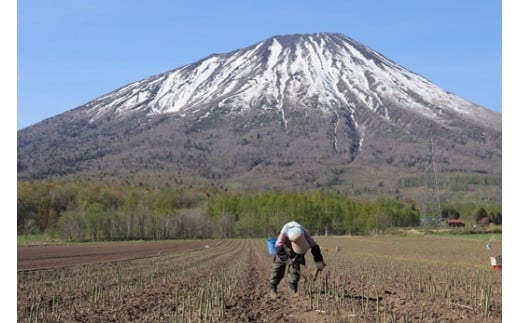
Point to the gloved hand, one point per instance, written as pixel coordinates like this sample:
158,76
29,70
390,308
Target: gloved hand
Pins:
320,265
283,257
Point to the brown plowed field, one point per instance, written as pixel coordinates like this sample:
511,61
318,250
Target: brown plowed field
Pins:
366,280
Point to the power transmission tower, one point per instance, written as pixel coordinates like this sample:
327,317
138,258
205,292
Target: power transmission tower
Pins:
431,215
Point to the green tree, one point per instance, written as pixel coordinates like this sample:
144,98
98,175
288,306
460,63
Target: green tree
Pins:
72,225
94,215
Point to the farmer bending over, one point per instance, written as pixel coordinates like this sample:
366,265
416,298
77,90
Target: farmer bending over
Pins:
291,246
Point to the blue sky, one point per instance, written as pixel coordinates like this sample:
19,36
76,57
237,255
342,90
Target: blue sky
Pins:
71,52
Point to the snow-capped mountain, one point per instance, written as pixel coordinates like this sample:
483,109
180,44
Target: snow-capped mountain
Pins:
285,71
301,108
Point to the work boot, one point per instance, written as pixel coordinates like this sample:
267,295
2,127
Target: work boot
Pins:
272,291
294,289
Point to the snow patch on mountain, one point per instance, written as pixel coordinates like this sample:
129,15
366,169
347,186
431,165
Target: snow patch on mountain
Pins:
319,71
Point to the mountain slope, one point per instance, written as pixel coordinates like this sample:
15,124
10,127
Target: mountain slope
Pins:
292,111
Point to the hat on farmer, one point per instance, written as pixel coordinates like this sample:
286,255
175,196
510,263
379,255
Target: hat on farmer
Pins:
299,243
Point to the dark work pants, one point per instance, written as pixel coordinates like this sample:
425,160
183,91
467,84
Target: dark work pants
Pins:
278,271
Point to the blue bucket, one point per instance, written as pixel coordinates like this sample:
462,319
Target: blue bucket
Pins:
270,246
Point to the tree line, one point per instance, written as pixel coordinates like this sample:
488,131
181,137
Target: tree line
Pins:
79,211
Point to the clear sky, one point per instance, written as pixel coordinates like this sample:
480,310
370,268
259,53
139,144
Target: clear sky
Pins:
71,52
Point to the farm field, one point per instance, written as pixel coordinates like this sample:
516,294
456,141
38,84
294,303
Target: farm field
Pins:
367,279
